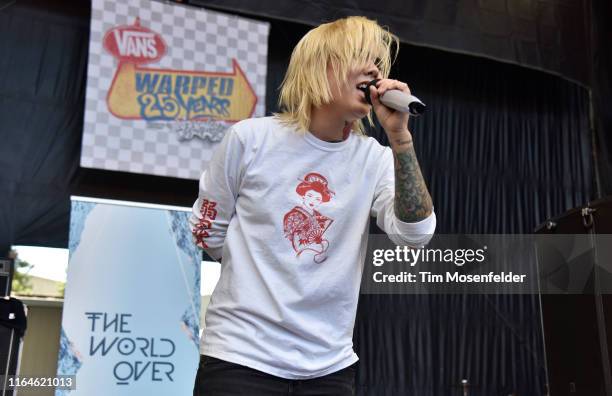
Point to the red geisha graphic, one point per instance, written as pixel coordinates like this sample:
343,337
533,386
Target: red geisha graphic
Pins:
304,226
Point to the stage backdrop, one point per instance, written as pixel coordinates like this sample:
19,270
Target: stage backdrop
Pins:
130,323
164,82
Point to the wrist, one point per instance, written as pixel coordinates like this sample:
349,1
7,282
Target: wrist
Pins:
400,140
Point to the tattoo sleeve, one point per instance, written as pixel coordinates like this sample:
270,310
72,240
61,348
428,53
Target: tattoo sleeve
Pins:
412,200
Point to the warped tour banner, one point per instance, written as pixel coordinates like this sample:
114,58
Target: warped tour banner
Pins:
130,323
165,81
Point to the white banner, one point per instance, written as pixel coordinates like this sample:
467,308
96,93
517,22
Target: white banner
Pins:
164,82
130,322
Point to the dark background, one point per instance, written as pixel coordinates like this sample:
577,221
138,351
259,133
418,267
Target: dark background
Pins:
503,148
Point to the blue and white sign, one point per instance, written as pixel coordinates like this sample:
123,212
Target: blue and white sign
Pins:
130,323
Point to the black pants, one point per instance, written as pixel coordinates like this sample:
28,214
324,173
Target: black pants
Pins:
220,378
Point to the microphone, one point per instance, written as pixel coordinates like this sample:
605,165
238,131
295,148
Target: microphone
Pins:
397,100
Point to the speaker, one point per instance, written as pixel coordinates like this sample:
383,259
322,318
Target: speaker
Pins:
13,323
578,327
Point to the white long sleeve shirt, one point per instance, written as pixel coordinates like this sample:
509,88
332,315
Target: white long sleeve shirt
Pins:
288,213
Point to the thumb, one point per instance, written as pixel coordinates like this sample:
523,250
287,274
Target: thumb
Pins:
373,95
375,98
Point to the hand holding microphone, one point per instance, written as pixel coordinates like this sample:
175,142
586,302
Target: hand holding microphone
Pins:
393,102
397,100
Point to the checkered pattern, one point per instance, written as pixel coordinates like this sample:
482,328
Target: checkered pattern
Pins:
197,40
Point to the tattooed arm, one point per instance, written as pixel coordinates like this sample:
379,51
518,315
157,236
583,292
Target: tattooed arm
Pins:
412,200
402,206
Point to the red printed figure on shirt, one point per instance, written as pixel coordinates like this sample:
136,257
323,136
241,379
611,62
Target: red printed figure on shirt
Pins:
200,231
303,225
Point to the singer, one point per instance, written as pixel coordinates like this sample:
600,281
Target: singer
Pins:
285,204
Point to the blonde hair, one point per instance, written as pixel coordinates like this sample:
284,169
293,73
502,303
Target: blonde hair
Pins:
343,45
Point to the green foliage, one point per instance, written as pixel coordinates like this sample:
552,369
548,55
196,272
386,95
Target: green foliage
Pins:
22,283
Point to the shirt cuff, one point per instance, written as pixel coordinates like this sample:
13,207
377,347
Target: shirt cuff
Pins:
419,233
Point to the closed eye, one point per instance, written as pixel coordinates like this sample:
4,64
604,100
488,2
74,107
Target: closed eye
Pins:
372,73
